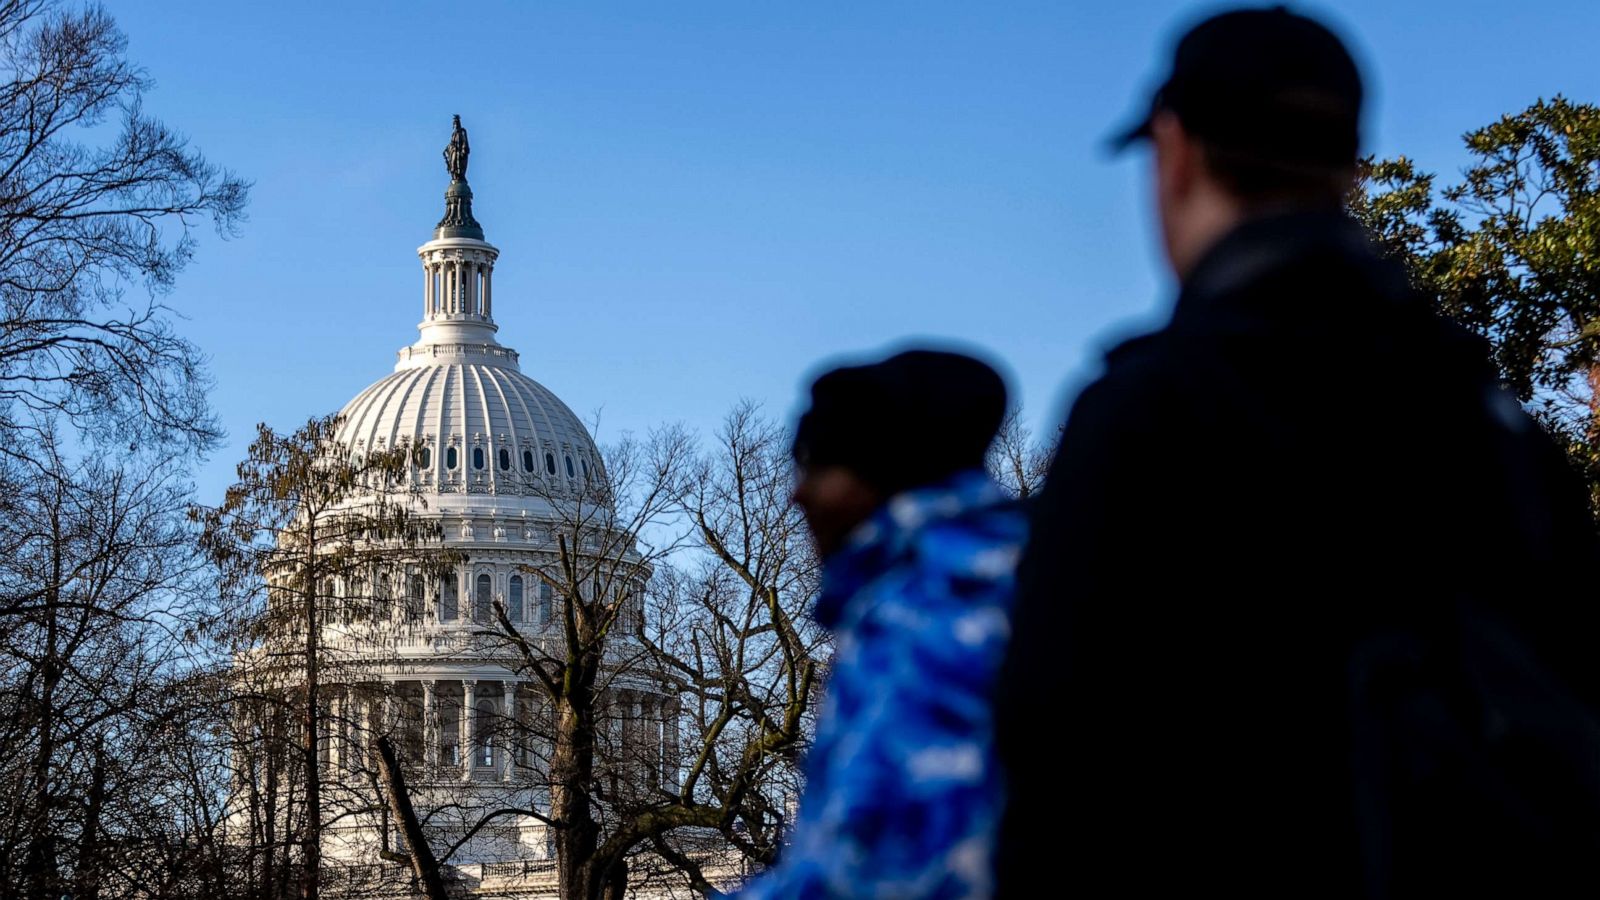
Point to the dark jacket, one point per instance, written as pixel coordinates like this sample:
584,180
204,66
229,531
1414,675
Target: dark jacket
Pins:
1248,645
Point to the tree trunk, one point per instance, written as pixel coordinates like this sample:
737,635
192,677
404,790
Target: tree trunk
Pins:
88,872
271,757
571,780
617,881
422,860
311,854
40,869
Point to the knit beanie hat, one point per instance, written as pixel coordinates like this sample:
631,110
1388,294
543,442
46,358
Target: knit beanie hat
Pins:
910,420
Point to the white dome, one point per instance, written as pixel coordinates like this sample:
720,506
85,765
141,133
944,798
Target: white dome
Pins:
507,432
475,423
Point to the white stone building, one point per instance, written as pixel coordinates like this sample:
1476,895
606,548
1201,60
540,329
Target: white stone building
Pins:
497,458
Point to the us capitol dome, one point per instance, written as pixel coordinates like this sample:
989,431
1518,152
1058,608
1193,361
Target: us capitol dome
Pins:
498,461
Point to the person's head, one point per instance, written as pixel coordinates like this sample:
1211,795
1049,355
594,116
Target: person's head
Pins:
1260,114
873,431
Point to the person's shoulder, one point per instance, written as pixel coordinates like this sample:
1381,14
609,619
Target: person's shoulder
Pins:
1141,376
969,555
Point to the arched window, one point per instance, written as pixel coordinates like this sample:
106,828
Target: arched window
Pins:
505,459
481,603
570,472
477,457
449,736
326,603
382,599
450,458
424,457
585,464
483,733
550,463
449,598
546,598
515,603
410,727
527,460
414,597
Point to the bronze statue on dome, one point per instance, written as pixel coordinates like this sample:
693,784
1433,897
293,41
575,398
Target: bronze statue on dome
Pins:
457,151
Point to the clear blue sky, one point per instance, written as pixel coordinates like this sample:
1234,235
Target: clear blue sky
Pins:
698,202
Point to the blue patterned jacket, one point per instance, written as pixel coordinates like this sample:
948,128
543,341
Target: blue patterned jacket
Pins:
903,791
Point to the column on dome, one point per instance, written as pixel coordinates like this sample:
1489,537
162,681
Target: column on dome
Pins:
614,718
430,725
488,291
361,730
639,736
649,730
372,709
669,743
335,728
469,703
475,305
508,729
347,715
384,713
627,740
538,744
329,708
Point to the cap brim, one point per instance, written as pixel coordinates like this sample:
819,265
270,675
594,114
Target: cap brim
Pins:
1119,141
1124,138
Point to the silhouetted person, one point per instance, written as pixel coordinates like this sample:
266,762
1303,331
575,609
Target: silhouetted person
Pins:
902,794
1308,609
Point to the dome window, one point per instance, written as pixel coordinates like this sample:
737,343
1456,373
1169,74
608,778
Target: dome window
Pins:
414,597
483,734
585,464
449,598
477,457
527,460
450,460
514,611
550,463
505,459
482,603
424,457
570,472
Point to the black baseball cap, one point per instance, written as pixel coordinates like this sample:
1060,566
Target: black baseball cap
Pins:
1267,85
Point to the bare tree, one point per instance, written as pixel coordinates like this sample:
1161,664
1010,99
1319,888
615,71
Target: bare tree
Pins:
586,742
81,223
679,692
95,564
734,635
301,541
1016,461
102,406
